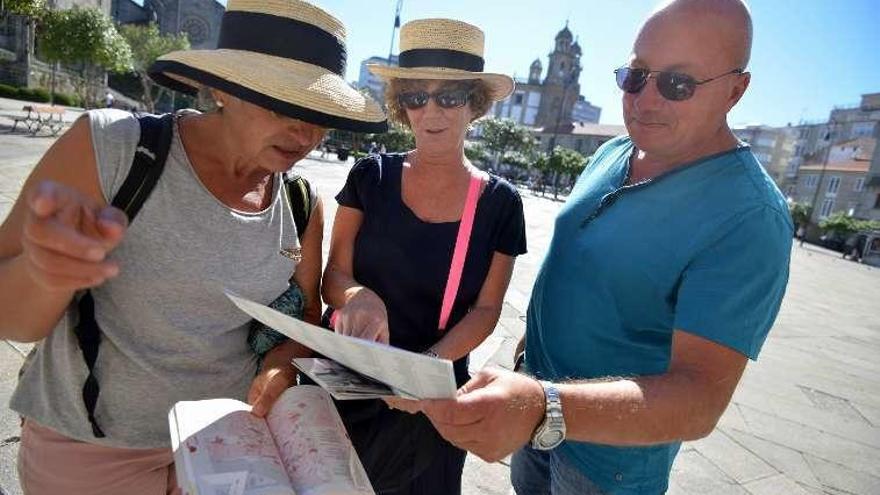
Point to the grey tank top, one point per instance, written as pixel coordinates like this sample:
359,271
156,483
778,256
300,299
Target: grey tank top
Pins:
169,333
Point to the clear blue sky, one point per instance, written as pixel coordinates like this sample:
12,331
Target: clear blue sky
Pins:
808,55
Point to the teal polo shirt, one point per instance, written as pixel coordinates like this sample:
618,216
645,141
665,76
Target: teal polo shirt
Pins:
703,248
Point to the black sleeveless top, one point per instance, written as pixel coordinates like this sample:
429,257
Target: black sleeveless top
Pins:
406,260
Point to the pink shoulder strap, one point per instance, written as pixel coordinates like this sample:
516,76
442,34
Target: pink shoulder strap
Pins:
461,247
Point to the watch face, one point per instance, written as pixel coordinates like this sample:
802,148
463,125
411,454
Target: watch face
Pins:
551,438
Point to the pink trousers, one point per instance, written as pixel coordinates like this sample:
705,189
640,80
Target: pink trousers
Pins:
51,463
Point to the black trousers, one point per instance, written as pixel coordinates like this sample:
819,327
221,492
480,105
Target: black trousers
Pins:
402,453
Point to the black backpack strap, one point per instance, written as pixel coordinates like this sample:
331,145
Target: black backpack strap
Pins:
147,166
148,163
299,192
89,337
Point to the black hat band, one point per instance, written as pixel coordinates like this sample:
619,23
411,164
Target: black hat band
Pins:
436,57
282,37
159,72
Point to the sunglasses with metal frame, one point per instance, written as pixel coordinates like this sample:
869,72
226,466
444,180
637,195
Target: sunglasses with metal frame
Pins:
674,86
444,98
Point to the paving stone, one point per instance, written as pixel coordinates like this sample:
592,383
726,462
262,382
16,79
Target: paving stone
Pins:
482,355
851,424
870,413
775,485
784,459
832,448
732,418
835,405
732,458
694,474
10,429
842,478
483,478
10,361
675,487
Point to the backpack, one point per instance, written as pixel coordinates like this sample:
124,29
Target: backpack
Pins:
147,166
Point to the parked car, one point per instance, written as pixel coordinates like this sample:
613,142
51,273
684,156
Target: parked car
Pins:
834,242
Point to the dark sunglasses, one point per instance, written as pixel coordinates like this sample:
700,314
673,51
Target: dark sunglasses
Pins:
674,86
444,98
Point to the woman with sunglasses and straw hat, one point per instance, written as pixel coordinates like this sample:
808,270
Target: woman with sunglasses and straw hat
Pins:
423,247
218,218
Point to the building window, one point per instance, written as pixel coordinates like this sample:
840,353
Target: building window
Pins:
833,186
518,99
811,181
827,207
860,185
863,129
197,30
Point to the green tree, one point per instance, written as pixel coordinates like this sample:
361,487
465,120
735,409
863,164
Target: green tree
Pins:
147,44
503,136
843,225
398,138
25,8
562,162
800,214
521,160
475,151
85,38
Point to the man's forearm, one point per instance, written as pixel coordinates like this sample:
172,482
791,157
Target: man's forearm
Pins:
640,411
29,310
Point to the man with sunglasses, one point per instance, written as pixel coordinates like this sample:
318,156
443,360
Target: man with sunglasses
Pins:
665,273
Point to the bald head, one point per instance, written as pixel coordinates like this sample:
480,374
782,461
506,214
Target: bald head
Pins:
730,19
706,45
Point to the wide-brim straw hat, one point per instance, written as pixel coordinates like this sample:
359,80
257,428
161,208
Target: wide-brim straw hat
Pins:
287,56
443,49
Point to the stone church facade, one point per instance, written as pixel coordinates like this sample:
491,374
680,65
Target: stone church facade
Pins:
20,67
550,103
199,19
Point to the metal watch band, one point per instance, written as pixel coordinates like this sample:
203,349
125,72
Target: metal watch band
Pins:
551,432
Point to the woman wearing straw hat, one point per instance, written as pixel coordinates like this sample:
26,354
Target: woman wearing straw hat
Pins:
423,247
218,218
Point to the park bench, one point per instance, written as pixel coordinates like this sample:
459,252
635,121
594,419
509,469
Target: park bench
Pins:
41,117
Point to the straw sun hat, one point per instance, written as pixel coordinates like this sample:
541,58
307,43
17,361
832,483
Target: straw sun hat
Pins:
443,49
287,56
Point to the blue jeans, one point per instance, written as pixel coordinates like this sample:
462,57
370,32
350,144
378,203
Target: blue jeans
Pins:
537,472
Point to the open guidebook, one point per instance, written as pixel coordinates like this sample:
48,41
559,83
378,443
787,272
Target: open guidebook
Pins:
354,368
299,448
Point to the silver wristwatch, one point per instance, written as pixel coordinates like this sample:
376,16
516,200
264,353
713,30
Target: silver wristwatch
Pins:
551,432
